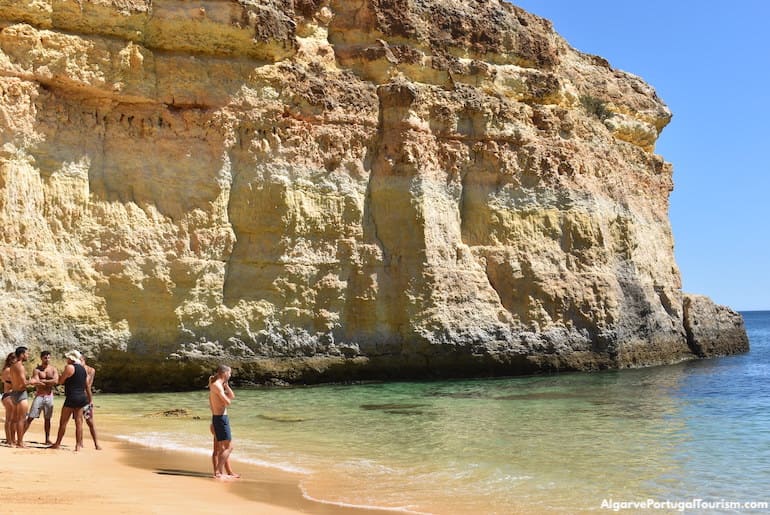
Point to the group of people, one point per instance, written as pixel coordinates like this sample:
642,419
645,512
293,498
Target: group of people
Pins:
77,378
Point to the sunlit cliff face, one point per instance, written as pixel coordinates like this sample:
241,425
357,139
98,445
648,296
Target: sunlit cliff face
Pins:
316,190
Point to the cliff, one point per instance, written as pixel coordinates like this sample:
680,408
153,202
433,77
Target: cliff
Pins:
321,190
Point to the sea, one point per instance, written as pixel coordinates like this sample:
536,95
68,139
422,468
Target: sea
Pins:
692,438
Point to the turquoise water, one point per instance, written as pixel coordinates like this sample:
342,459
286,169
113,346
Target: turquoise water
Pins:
561,443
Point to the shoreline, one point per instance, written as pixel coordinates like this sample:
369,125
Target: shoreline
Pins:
129,478
261,485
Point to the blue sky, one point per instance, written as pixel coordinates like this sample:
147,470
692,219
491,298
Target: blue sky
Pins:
710,62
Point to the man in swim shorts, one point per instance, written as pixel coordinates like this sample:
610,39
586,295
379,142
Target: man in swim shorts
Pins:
220,397
48,376
18,394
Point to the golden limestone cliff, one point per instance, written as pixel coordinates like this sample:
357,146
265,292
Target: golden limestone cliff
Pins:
318,190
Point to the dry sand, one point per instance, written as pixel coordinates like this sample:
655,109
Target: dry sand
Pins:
127,479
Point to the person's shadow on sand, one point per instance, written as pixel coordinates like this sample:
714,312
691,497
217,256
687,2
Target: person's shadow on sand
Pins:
179,472
39,445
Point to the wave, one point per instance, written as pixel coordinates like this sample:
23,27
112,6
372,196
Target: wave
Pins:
341,504
158,441
286,467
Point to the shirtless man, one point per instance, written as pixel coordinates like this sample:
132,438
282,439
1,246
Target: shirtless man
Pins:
220,397
48,377
18,394
88,411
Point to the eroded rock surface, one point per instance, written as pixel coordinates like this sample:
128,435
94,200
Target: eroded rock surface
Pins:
323,190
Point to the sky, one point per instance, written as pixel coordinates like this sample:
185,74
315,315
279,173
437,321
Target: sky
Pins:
710,63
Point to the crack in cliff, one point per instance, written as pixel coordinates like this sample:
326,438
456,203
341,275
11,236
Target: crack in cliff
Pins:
323,120
369,218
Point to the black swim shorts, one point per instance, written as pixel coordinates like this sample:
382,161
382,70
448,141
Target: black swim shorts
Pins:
221,427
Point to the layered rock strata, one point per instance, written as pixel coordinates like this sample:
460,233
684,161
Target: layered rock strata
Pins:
325,190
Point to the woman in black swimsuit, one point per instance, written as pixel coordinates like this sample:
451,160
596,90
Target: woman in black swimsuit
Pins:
77,395
7,402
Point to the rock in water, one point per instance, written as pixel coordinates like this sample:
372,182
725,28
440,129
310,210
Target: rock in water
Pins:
321,191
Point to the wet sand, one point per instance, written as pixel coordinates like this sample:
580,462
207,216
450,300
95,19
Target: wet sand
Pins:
124,478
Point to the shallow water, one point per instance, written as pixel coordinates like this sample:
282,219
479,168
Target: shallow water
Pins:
562,443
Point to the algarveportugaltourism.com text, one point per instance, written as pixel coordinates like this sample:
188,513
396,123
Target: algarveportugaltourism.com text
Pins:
694,504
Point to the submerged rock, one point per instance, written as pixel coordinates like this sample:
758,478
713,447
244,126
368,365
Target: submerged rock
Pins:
392,407
331,191
176,412
281,417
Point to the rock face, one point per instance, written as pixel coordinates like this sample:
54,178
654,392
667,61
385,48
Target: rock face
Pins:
713,330
317,190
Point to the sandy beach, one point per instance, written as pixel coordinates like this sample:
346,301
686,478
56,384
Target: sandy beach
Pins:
125,478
